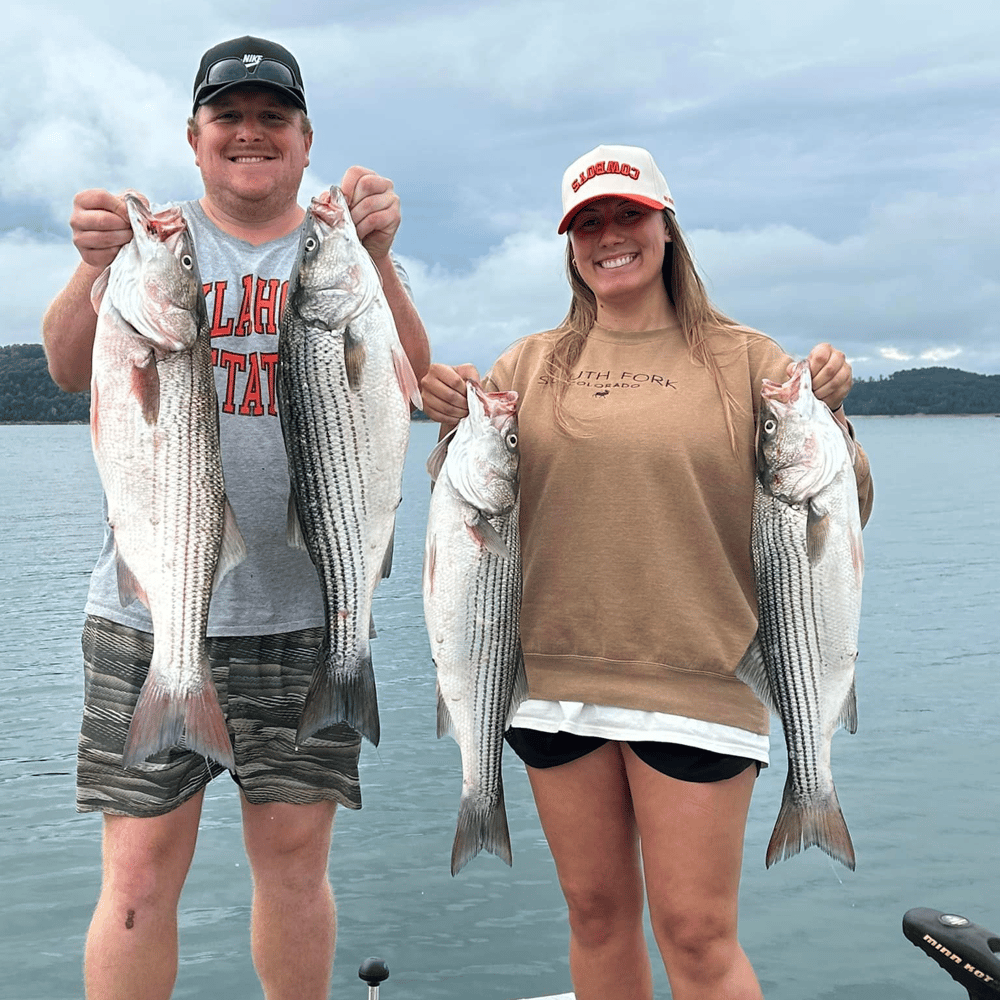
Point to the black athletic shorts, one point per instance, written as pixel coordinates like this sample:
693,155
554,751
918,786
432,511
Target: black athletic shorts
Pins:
538,749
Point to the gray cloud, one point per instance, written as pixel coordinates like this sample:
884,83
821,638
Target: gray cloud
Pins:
834,164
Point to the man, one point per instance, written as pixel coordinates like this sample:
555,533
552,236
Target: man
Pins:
251,140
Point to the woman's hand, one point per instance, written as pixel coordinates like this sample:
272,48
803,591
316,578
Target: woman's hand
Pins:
443,392
831,376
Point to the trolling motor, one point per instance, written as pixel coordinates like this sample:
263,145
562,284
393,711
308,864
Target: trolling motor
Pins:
970,954
373,971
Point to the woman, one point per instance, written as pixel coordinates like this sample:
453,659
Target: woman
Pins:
636,427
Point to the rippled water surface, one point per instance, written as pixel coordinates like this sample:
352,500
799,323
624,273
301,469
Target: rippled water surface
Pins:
918,782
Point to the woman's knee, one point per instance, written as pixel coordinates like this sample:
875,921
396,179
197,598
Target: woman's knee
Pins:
701,943
601,912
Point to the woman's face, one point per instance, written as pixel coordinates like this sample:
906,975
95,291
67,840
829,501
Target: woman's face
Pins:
619,247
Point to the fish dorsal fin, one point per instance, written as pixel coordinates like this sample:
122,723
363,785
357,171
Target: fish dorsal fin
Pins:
752,672
817,530
519,691
849,713
129,588
386,568
233,549
486,536
293,529
445,725
435,461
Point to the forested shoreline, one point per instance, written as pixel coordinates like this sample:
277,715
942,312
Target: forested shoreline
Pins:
28,395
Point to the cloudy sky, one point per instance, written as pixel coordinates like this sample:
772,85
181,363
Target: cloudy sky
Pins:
835,163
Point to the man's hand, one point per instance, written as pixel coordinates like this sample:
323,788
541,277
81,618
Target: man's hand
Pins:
374,209
100,226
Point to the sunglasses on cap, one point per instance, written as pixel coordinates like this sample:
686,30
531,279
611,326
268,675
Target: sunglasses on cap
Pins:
234,70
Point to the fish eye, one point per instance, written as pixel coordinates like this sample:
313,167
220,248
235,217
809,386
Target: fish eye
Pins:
311,244
512,440
187,261
770,426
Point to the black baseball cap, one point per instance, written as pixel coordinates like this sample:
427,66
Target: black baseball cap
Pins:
248,60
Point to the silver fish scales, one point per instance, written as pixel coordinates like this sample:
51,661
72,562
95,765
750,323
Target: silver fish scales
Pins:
809,563
344,392
154,430
472,603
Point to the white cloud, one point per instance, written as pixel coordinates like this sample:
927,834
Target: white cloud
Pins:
835,161
892,354
938,354
33,272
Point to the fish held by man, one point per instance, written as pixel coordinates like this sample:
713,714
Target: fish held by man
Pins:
809,563
472,604
345,387
155,436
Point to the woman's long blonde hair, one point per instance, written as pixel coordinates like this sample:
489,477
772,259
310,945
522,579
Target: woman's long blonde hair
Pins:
698,319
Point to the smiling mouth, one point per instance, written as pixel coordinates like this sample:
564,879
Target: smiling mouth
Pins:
614,262
249,159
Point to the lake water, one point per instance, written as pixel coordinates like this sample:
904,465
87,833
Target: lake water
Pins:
918,782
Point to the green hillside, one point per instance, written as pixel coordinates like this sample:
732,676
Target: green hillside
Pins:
28,394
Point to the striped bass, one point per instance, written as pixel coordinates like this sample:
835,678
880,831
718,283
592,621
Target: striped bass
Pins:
809,563
154,426
472,606
344,392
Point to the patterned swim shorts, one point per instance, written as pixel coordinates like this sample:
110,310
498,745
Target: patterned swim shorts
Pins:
262,683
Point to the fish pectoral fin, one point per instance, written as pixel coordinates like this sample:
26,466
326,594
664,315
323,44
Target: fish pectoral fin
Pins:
233,549
435,460
487,537
430,562
293,529
405,376
354,357
817,530
752,671
146,389
445,724
99,287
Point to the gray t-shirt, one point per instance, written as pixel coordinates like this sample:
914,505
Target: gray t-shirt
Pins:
275,589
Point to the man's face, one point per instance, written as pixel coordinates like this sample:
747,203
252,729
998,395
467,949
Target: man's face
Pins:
251,151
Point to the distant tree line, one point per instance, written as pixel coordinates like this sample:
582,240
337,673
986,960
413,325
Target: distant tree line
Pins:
28,394
925,390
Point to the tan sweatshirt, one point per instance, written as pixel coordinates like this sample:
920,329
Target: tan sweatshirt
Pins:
635,529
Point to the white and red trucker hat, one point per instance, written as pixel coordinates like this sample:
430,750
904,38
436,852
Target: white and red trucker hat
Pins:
616,171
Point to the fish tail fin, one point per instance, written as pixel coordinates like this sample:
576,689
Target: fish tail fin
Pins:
481,825
819,822
337,695
163,719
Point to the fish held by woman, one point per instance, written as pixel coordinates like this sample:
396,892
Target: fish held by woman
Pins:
155,436
472,602
809,563
345,388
